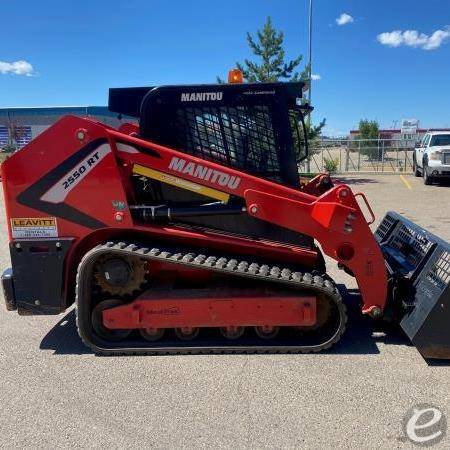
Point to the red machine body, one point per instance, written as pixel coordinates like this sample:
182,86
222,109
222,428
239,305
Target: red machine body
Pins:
194,222
90,214
213,311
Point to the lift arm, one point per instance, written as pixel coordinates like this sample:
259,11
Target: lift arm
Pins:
334,218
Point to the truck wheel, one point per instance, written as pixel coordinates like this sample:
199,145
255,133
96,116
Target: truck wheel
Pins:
427,179
416,168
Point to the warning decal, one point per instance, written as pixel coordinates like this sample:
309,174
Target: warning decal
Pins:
34,227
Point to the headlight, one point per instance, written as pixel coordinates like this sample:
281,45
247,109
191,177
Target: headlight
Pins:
435,156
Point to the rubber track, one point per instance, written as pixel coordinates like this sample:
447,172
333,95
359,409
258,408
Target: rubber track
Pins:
228,266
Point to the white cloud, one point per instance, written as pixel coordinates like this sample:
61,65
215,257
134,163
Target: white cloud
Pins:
344,19
413,38
315,77
17,67
392,39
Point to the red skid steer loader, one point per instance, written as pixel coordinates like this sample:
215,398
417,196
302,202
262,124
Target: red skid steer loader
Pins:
189,231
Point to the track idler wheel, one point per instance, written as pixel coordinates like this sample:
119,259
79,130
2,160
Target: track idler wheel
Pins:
267,331
99,327
232,332
152,334
186,333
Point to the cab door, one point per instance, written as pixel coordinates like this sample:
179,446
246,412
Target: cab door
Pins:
422,149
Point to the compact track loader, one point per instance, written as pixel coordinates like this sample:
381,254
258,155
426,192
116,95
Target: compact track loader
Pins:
189,231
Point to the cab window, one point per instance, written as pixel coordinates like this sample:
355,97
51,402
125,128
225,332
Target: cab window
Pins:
440,139
425,141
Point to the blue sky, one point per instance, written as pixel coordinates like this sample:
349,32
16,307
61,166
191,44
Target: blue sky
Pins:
76,50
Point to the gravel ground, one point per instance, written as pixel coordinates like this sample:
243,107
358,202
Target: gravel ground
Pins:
55,393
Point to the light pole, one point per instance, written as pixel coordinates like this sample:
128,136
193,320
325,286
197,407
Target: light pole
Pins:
308,162
310,50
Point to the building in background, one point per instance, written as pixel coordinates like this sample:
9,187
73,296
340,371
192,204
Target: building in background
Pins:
407,139
18,126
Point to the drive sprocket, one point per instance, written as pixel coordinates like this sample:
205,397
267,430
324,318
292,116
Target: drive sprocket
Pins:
120,276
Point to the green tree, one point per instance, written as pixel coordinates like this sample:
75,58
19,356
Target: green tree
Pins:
9,148
271,65
369,131
268,47
315,131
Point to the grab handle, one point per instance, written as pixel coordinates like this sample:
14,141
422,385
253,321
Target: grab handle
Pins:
372,215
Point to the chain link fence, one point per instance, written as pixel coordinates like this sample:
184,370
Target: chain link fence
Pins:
360,155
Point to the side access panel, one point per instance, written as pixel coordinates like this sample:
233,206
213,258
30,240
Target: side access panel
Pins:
37,275
422,261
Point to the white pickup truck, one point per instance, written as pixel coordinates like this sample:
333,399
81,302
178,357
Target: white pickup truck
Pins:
431,158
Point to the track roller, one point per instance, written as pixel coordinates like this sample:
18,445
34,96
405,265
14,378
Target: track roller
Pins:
186,333
99,327
152,334
232,332
267,331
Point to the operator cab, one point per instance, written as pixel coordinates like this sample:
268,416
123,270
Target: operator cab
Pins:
256,128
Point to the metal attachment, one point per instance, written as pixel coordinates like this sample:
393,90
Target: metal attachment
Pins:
81,134
37,302
347,229
254,209
343,193
376,312
345,252
119,216
348,224
18,245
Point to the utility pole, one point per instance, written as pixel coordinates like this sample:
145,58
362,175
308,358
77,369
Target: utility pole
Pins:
310,50
308,162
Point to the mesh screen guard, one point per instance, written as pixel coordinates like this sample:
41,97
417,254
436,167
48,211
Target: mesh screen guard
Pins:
242,137
258,128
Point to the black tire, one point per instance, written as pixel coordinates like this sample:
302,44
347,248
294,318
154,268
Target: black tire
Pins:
416,168
427,179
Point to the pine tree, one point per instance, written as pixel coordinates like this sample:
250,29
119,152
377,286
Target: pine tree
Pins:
272,66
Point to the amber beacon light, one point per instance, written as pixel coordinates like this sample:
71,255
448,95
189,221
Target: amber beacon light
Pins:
235,76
